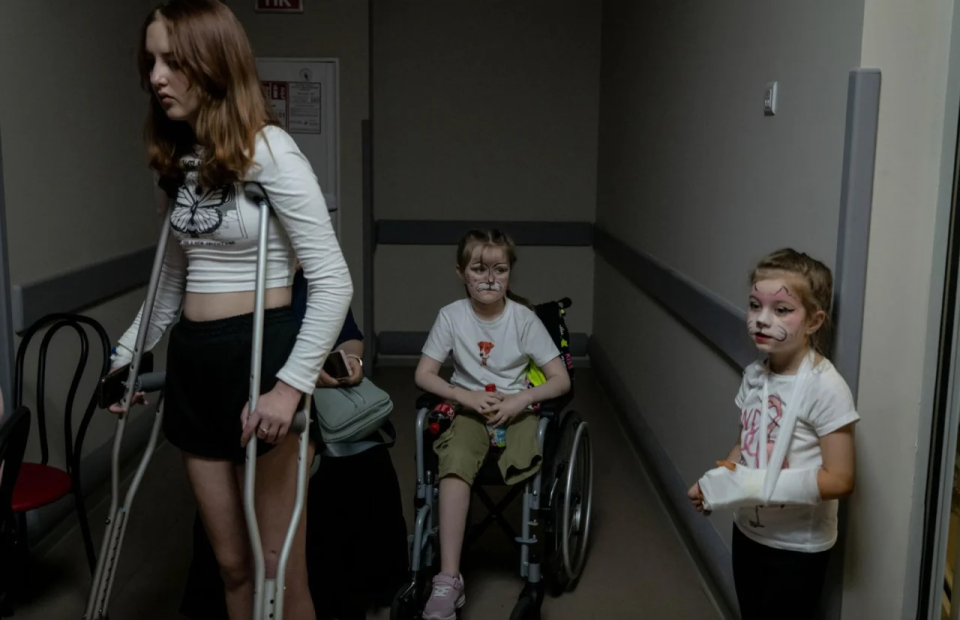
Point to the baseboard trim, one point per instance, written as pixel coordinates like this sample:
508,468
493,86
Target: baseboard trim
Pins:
704,546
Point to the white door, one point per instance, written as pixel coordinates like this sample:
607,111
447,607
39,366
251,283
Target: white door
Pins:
303,92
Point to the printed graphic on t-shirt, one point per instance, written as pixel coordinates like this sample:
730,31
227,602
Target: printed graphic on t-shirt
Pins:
206,215
750,420
750,446
485,349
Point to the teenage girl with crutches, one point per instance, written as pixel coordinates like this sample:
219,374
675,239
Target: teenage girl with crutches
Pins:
212,140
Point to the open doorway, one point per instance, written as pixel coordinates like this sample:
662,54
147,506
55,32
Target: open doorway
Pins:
940,569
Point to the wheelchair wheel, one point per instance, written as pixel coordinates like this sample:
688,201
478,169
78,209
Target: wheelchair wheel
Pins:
570,505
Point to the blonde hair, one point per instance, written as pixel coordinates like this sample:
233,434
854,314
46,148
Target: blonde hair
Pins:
209,45
815,290
492,239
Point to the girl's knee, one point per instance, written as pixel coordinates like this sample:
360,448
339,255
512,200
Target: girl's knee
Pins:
236,569
460,465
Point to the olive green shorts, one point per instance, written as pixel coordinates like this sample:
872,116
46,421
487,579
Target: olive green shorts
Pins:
463,448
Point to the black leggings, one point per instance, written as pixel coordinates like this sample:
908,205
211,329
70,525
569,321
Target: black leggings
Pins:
775,583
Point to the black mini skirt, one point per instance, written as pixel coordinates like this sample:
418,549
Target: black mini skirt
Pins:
208,380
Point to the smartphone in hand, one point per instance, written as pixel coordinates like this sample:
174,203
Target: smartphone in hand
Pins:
337,365
113,386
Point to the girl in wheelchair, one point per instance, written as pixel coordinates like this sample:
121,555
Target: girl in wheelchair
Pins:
493,336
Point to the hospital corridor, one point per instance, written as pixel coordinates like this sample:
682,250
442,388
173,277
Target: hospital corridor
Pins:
479,310
643,569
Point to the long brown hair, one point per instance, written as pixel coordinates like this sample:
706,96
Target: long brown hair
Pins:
211,48
493,239
816,292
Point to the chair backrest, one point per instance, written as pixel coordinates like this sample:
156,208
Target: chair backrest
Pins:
552,315
14,431
56,322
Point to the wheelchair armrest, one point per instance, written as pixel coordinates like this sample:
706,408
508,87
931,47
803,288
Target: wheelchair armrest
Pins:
427,400
553,407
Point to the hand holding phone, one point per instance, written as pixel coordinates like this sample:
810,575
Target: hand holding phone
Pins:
337,365
113,386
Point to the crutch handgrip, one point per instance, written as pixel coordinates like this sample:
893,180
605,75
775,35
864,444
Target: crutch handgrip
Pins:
151,381
299,422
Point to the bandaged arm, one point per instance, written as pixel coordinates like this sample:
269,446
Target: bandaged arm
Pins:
726,488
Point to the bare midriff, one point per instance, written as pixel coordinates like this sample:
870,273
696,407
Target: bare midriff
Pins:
213,306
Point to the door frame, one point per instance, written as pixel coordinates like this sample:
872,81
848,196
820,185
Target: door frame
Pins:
939,418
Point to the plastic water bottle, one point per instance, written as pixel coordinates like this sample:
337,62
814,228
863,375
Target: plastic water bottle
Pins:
498,436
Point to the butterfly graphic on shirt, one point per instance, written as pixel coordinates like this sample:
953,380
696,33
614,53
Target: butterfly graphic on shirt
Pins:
199,210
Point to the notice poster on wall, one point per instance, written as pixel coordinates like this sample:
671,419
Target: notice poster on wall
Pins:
276,93
304,107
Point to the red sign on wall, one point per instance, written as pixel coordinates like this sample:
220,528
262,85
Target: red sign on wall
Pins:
280,6
276,93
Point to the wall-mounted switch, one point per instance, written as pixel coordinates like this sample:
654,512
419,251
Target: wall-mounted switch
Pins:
770,99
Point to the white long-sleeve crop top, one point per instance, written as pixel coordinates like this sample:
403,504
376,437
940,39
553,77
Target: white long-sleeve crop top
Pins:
212,248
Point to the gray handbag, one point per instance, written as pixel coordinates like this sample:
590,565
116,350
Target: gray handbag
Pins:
350,415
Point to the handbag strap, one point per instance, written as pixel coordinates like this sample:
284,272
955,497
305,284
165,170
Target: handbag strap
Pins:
351,448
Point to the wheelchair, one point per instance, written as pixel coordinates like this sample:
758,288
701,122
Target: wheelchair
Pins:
559,497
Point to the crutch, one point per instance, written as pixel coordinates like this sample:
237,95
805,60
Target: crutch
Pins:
269,593
117,516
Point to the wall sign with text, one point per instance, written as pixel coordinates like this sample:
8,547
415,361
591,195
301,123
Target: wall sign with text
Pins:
296,104
279,6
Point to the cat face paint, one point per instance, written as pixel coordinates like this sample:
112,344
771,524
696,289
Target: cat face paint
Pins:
776,318
487,275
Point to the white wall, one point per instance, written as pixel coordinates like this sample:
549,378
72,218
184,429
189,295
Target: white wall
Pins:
329,29
483,111
693,173
76,184
911,45
77,187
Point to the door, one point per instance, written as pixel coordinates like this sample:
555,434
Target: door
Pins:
304,94
940,568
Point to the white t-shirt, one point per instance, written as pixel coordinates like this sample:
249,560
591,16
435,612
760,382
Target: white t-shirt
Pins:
486,352
828,406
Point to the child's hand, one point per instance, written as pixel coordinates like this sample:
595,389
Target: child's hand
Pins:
696,498
511,406
482,402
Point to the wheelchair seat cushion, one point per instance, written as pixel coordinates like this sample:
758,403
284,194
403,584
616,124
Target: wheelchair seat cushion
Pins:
464,447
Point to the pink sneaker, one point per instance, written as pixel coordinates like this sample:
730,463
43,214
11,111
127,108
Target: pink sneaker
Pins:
447,597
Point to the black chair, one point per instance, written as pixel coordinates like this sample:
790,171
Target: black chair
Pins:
41,484
14,432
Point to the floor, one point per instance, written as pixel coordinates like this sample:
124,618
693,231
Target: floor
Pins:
637,567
